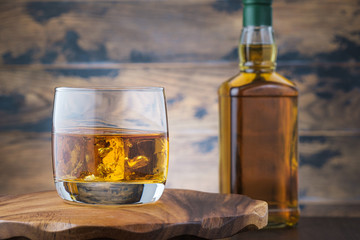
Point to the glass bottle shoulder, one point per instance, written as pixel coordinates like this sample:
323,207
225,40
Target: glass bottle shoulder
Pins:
258,84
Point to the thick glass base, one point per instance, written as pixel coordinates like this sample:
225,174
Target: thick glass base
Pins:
280,218
109,193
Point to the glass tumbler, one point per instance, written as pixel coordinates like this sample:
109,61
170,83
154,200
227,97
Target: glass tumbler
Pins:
110,145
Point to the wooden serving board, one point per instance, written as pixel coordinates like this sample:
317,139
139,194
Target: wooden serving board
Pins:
44,215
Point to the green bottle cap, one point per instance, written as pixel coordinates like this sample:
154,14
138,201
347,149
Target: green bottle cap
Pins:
257,13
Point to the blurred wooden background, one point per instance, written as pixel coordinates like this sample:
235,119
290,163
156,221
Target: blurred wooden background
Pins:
189,47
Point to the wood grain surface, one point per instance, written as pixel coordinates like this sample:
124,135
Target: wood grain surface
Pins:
74,31
189,47
44,215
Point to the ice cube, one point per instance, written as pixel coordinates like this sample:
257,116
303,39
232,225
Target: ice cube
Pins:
113,158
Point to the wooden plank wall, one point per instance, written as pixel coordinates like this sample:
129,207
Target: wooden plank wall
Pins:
189,47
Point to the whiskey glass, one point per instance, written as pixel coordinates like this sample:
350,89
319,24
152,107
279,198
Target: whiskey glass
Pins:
110,145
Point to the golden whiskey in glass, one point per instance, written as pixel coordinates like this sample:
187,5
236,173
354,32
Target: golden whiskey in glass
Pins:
110,146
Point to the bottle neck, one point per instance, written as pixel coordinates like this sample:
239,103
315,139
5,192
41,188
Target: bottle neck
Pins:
257,49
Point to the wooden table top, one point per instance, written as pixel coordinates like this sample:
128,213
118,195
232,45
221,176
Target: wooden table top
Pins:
309,228
44,215
333,226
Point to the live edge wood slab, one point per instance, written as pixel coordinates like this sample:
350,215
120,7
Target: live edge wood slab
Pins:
44,215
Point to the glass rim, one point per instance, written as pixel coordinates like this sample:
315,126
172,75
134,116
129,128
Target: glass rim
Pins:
91,89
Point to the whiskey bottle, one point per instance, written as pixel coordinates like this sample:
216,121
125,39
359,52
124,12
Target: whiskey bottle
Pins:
259,122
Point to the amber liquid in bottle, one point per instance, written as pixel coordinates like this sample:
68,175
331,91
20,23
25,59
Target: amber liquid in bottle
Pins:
258,134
